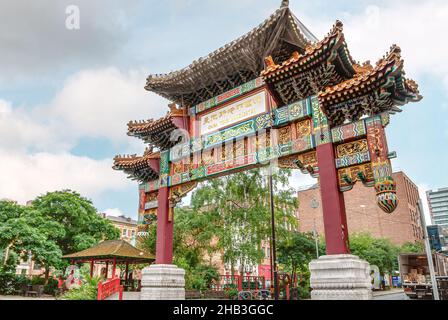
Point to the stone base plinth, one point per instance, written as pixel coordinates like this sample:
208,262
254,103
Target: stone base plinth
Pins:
340,277
163,282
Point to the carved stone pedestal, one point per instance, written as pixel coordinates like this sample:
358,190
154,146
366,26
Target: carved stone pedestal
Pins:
163,282
340,277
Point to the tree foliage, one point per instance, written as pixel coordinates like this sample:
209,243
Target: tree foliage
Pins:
296,251
78,219
24,230
235,210
55,224
228,217
412,247
377,251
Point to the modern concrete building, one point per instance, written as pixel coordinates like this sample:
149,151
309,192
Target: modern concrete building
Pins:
438,206
364,215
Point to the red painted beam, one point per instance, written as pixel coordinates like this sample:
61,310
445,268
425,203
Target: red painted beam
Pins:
333,206
164,244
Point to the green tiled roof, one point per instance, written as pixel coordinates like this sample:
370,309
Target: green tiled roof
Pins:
119,249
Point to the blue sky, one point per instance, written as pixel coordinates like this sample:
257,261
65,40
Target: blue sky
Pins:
66,95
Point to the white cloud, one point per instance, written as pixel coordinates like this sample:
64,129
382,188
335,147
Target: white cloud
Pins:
114,212
418,27
36,141
299,180
99,103
92,103
37,46
23,177
19,130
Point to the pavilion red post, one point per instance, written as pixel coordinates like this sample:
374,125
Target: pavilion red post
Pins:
126,273
333,206
91,268
164,245
114,268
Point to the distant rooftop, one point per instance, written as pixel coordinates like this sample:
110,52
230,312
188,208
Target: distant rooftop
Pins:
121,219
437,190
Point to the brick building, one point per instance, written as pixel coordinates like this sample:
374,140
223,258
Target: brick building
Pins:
127,226
364,215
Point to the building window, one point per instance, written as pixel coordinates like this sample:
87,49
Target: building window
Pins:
133,232
124,232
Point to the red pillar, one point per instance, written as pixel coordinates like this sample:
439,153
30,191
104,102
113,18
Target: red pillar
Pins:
164,245
333,206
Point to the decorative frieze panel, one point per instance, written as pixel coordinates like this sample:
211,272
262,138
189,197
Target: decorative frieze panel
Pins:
303,128
306,162
349,131
227,96
230,165
284,135
176,195
349,176
351,148
295,111
352,159
150,186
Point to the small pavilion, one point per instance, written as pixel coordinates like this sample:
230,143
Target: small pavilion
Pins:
114,252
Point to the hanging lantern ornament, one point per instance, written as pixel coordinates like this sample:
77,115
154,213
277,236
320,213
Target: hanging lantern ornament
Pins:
386,195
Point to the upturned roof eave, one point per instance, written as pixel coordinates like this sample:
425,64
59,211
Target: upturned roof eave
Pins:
184,79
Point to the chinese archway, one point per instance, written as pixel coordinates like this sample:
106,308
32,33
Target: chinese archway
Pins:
274,93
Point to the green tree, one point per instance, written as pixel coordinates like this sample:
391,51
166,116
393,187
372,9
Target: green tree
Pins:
237,211
412,247
380,252
192,239
229,216
77,217
75,226
23,230
296,251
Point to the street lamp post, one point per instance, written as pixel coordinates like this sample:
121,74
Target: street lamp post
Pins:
435,289
274,255
314,205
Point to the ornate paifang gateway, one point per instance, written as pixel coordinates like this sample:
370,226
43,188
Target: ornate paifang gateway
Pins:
274,93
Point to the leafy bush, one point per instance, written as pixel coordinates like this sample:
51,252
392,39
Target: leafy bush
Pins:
87,291
10,283
7,282
51,287
37,280
232,294
201,277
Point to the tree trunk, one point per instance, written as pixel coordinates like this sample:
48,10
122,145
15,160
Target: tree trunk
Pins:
47,275
8,247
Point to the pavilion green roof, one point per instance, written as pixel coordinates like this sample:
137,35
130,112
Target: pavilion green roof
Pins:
119,249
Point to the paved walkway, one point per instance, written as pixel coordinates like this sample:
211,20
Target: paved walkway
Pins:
126,296
26,298
392,294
